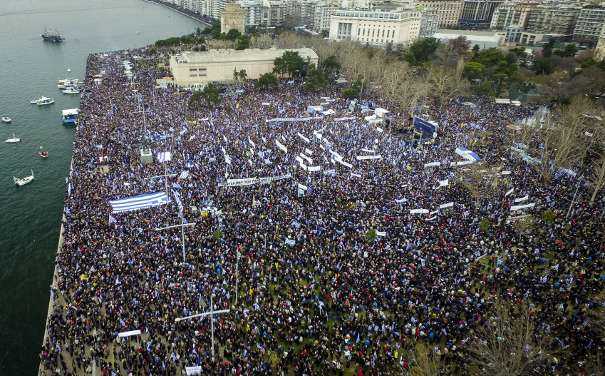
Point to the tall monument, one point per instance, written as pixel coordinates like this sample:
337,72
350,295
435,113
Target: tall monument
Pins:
233,17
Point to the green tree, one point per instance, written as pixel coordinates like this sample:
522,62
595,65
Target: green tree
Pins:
473,70
315,79
354,91
330,66
459,46
266,81
242,42
543,66
547,49
291,63
233,34
243,75
421,51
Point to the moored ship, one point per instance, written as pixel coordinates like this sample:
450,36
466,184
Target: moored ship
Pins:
52,36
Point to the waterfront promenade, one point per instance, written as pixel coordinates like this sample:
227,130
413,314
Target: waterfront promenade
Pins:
185,12
348,253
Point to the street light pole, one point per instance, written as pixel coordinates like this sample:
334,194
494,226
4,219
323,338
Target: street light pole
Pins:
182,226
210,313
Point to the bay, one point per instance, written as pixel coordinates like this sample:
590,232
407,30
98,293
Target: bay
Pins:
30,215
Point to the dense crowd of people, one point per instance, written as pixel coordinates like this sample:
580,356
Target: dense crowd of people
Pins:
330,266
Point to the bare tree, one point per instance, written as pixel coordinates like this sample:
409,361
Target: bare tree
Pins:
425,362
598,177
507,345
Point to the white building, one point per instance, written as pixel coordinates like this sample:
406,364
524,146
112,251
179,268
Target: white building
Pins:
448,11
483,39
195,69
512,14
323,11
376,27
589,24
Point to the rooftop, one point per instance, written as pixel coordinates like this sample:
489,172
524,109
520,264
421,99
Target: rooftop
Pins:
223,55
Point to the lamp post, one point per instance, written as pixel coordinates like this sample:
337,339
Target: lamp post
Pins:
210,313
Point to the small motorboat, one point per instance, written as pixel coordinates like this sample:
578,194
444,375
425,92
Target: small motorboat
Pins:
42,153
24,180
6,119
71,90
13,140
43,101
68,70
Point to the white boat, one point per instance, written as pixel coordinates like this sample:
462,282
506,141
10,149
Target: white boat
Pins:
13,140
24,180
65,83
6,119
71,90
45,101
68,70
42,101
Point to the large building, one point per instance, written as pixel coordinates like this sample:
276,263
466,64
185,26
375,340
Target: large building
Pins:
589,24
429,23
554,17
512,14
376,28
323,11
477,14
448,12
195,69
266,13
233,17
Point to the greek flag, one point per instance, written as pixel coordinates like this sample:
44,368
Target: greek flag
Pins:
144,201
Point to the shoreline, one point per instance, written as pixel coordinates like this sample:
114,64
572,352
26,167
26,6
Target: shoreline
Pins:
180,10
51,301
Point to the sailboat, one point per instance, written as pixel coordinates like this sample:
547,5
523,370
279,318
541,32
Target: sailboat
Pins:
13,140
24,180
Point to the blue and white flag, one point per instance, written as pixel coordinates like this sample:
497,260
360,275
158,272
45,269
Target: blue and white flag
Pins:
177,198
144,201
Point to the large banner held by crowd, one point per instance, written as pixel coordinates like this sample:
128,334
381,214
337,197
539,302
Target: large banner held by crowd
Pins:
144,201
251,181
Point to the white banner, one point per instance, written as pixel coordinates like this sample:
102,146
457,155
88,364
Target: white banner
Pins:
193,371
306,158
445,206
303,138
521,199
129,333
314,168
344,163
251,181
367,157
293,120
432,164
521,207
281,146
509,192
419,211
345,118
